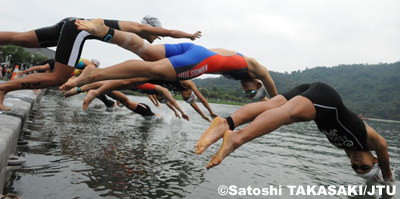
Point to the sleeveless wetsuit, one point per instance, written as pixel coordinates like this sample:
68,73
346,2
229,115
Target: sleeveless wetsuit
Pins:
190,61
343,128
68,39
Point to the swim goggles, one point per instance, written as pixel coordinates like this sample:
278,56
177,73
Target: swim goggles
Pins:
362,167
250,94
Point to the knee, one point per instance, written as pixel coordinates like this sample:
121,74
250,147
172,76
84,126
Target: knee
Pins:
60,79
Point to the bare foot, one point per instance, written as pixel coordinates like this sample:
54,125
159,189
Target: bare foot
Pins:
88,99
71,92
227,147
2,107
85,78
95,27
213,133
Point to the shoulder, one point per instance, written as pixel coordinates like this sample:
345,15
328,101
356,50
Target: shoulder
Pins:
374,140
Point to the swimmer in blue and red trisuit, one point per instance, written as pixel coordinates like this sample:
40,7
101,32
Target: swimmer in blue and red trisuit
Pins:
178,61
317,101
69,41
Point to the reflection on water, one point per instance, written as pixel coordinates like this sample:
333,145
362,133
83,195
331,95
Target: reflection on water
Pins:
117,154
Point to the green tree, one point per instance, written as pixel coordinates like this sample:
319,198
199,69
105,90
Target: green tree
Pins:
18,54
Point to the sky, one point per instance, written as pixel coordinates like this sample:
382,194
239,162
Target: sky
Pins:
282,35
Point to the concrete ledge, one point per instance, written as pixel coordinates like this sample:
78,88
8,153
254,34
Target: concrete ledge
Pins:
11,125
6,135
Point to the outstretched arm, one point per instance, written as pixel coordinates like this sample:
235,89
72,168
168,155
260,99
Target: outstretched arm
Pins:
197,109
156,100
138,28
163,91
379,145
170,33
173,109
151,97
257,71
202,99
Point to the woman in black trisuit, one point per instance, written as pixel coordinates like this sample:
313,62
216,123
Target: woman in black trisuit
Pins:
317,101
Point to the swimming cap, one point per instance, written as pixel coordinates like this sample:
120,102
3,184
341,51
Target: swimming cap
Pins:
373,174
192,98
95,62
261,93
152,21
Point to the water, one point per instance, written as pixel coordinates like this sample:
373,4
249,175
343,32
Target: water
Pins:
117,154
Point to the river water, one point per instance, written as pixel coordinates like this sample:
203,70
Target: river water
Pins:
115,153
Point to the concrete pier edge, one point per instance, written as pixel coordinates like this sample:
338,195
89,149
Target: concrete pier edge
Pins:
11,130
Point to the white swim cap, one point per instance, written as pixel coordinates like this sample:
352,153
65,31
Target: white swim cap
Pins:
261,93
374,174
152,21
192,98
95,62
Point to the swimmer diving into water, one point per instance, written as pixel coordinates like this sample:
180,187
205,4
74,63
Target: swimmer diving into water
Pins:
69,42
146,88
187,88
175,61
316,101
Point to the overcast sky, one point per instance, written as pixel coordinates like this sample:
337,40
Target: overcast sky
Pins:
283,35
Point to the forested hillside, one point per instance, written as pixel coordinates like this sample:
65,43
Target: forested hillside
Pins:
372,90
